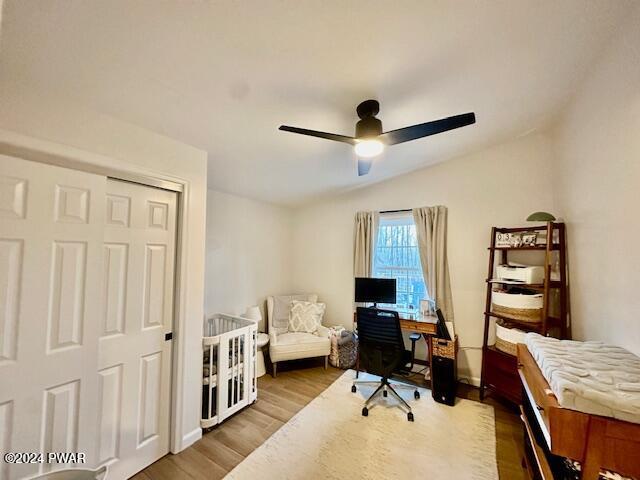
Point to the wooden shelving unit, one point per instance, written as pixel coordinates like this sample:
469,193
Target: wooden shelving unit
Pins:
499,369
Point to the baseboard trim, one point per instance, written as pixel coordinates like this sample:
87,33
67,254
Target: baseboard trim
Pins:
191,438
475,381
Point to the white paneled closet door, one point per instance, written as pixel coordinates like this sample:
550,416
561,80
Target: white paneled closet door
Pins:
86,298
135,358
51,242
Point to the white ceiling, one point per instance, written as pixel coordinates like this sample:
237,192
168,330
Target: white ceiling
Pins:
223,75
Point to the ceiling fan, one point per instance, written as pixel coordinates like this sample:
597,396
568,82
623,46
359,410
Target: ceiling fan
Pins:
370,140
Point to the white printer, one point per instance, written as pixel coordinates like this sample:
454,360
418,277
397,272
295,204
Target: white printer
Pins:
520,273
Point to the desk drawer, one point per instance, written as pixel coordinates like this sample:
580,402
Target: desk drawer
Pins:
418,326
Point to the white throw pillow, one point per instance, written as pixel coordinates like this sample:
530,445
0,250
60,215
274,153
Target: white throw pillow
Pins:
282,309
305,316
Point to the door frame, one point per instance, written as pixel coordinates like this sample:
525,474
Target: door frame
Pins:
51,153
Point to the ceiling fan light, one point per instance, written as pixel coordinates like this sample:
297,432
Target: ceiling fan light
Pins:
369,148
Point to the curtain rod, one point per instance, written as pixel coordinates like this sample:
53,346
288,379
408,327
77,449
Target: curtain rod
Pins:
396,211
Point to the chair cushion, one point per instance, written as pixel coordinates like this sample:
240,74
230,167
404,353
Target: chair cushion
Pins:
281,309
294,345
298,338
305,316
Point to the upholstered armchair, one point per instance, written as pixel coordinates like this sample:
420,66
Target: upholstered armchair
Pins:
285,345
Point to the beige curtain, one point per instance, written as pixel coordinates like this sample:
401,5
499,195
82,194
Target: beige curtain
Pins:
431,229
363,243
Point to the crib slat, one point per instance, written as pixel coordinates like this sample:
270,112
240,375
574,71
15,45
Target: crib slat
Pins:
210,406
234,384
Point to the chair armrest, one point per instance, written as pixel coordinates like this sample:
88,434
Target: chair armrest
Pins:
273,338
322,331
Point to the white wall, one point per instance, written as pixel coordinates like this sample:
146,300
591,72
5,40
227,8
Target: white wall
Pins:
498,186
248,253
598,166
60,125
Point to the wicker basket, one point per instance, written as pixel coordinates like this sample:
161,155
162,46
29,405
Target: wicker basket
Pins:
344,350
526,315
507,338
443,348
506,347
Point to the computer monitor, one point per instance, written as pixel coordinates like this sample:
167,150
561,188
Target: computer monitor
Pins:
376,290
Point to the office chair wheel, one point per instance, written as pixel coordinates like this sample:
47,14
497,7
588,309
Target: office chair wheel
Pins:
410,416
385,393
353,389
365,412
416,395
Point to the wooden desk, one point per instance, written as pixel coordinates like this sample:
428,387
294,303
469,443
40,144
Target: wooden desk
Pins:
426,325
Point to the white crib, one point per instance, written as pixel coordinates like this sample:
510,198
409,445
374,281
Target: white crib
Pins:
229,367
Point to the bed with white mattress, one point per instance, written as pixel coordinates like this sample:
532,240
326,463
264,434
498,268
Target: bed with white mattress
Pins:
581,404
590,377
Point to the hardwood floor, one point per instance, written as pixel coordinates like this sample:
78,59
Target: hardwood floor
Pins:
279,399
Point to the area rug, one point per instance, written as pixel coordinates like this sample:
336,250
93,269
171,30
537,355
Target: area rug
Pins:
330,439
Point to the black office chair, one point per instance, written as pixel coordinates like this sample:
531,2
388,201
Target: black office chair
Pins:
382,352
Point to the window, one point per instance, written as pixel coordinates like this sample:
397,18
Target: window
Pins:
396,256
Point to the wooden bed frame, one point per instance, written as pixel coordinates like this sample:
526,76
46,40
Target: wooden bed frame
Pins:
594,441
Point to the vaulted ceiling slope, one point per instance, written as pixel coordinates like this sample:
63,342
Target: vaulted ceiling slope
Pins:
223,75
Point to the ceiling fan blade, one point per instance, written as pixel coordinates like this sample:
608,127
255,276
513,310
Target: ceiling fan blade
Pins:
425,129
364,165
315,133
